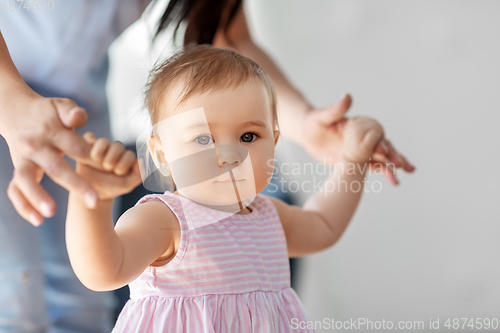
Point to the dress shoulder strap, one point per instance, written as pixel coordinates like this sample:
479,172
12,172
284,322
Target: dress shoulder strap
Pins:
173,202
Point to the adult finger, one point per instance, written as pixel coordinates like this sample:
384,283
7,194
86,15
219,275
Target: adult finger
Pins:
61,172
70,114
22,206
399,160
25,179
370,140
381,158
380,161
72,144
407,166
387,171
382,148
393,154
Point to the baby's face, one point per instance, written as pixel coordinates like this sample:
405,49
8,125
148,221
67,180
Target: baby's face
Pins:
220,145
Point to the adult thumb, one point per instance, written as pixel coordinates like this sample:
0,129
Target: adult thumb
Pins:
335,112
70,114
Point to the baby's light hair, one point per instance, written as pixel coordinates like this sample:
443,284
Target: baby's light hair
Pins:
202,68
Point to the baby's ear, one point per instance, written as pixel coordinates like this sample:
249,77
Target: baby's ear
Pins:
276,136
154,145
155,149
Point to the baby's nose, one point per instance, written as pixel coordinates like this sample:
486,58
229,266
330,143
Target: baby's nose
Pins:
231,155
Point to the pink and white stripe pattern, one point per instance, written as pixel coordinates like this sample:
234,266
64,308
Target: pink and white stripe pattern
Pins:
231,276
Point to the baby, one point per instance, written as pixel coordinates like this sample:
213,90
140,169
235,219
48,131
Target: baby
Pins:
212,256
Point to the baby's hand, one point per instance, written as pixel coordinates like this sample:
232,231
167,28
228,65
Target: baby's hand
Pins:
361,137
113,171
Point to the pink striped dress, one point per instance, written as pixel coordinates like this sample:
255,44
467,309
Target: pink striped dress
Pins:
230,275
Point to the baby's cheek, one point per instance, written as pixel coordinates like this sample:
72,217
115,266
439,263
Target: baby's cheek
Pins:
263,168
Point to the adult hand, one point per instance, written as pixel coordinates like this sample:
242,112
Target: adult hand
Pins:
323,133
39,131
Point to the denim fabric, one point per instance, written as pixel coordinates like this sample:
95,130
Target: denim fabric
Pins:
38,290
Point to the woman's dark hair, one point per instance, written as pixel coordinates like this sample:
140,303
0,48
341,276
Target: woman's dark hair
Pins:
203,18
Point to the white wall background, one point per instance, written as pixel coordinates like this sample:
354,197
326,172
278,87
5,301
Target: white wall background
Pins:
429,71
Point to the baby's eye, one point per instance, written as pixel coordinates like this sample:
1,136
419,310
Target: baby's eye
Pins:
249,137
204,140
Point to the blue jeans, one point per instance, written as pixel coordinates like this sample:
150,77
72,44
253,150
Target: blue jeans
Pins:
39,291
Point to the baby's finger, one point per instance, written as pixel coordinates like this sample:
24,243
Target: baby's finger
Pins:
113,154
123,165
89,137
99,150
134,178
136,168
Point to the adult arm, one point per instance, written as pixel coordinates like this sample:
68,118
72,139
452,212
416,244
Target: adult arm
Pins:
38,131
292,105
317,130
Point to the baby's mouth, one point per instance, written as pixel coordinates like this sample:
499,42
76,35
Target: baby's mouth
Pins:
229,180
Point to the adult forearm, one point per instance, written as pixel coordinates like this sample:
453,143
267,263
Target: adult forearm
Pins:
292,105
11,84
339,196
93,246
8,70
